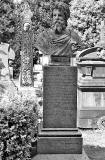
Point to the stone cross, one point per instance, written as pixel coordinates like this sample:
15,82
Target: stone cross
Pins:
26,49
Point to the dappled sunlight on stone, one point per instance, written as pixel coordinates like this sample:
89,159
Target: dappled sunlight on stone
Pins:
94,137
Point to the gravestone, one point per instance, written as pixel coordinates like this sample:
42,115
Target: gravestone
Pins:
60,85
91,87
59,134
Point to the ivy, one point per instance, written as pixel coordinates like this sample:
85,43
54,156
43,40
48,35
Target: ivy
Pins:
18,127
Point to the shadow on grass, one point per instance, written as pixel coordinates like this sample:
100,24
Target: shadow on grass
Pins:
95,152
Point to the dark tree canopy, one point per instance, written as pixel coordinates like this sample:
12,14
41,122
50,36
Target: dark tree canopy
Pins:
7,20
85,18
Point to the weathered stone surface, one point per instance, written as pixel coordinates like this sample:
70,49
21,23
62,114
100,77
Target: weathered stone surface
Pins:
99,72
88,117
59,97
59,134
64,132
59,141
59,145
26,46
62,60
91,86
84,83
82,156
26,75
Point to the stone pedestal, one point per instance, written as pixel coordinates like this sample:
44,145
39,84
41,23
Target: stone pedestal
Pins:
82,156
59,134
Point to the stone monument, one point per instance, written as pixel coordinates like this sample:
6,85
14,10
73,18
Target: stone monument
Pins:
26,77
91,85
59,133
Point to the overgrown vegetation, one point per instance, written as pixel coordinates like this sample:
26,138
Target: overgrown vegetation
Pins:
18,125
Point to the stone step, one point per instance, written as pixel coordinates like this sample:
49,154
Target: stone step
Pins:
59,140
59,129
59,145
59,133
82,156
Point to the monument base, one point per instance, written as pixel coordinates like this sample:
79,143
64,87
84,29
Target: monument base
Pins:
82,156
59,141
59,134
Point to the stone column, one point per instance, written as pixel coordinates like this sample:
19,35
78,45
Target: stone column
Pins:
26,77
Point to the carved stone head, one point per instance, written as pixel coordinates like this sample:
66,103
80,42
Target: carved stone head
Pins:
60,15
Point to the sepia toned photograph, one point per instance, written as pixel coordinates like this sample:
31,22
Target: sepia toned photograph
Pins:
52,79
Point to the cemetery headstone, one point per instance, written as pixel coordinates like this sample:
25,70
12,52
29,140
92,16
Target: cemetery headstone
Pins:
91,85
59,133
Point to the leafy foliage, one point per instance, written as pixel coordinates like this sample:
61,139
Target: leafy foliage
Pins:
41,19
18,126
7,20
86,19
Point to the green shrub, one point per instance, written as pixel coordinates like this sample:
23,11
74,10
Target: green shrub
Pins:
18,126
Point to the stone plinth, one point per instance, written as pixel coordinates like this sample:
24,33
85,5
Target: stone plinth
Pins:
82,156
66,141
59,134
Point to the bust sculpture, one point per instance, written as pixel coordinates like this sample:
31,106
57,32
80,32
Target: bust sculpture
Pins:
58,40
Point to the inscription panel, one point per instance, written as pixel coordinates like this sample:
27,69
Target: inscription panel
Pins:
59,97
